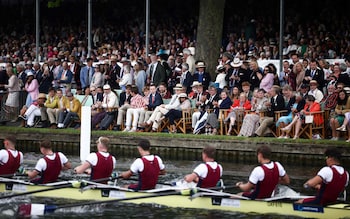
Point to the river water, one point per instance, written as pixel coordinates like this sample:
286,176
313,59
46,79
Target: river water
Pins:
175,171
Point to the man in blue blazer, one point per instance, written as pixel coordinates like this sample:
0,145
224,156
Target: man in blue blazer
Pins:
64,78
86,73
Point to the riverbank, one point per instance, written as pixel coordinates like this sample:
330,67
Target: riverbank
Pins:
301,152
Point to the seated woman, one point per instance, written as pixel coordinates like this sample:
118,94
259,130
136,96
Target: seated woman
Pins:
238,106
299,119
174,114
345,125
212,121
337,118
294,104
251,120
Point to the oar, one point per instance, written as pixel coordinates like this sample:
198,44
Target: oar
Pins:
41,209
74,184
13,175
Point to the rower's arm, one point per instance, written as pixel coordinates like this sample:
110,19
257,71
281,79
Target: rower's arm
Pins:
67,166
80,169
162,172
32,173
193,177
314,182
284,180
126,174
245,187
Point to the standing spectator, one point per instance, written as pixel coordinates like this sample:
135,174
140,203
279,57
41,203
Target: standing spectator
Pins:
220,80
75,68
65,77
45,79
140,76
299,72
13,87
255,75
156,71
113,74
22,76
86,73
314,73
188,58
186,77
126,78
283,76
97,77
266,82
32,87
201,75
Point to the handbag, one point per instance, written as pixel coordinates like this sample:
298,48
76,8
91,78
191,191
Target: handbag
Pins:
309,119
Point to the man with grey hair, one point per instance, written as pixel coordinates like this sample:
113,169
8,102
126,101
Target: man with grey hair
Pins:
186,78
344,76
188,58
22,76
156,72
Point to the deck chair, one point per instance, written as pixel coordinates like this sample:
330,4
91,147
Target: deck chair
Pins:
185,123
309,129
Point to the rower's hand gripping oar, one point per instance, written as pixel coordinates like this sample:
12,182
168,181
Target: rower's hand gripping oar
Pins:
26,210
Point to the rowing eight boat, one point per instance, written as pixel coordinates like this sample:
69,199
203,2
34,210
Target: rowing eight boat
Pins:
203,200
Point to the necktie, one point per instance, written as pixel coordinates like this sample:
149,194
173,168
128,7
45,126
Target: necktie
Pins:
88,77
312,73
153,98
151,72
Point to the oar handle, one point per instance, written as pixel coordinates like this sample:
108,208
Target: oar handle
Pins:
13,175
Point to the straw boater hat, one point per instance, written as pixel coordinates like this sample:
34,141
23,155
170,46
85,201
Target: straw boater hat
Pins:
30,74
124,59
42,96
196,83
200,65
178,87
220,68
313,82
182,95
236,63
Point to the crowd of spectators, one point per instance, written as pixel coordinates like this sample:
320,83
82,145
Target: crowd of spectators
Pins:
118,61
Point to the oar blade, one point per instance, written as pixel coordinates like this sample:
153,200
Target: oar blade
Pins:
27,210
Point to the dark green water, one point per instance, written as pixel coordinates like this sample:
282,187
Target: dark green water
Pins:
176,170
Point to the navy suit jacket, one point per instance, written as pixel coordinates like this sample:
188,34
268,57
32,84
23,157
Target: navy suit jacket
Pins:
205,81
157,101
122,98
188,82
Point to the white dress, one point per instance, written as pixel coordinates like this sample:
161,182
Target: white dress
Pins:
13,88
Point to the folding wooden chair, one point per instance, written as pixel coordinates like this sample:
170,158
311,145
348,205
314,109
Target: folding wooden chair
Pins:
185,123
309,129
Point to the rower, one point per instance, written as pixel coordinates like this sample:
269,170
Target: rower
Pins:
98,164
50,166
208,173
264,178
330,181
148,168
10,158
